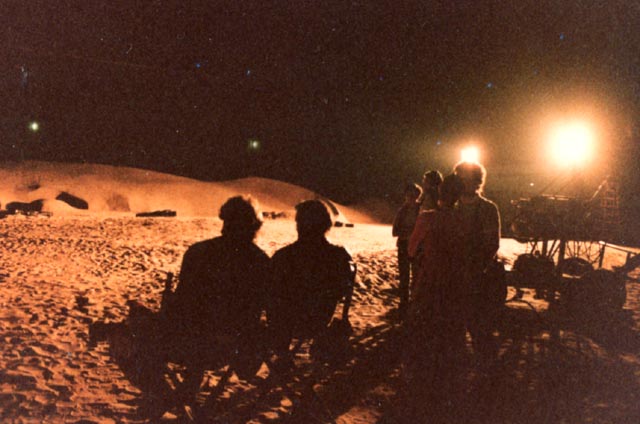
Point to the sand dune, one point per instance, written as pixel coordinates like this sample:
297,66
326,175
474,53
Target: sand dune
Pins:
110,189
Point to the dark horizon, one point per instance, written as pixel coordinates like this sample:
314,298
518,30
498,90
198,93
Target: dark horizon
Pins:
350,100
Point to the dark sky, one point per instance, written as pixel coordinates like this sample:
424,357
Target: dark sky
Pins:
348,98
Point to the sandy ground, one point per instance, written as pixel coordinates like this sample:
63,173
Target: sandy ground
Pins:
59,276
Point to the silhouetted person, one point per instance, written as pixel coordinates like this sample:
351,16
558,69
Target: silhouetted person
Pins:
403,224
310,277
481,223
436,321
218,304
430,182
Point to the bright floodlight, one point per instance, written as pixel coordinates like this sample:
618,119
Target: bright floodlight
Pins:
572,144
470,154
34,126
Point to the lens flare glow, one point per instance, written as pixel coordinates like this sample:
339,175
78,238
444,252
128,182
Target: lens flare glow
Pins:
572,144
470,154
253,144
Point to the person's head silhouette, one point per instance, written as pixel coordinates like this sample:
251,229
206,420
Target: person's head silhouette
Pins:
473,175
241,218
312,219
431,179
450,190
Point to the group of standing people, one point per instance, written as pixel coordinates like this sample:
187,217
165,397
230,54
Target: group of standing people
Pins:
448,237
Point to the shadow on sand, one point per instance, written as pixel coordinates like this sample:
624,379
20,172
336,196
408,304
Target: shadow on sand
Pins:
316,390
553,368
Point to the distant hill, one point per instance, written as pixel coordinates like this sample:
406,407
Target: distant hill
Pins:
122,190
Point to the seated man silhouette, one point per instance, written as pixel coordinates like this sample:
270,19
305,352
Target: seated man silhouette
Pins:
310,277
216,310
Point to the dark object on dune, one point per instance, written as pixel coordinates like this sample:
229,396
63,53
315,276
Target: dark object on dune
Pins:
162,213
72,200
274,215
25,208
3,214
342,224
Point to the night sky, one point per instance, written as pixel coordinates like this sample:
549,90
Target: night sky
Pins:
351,99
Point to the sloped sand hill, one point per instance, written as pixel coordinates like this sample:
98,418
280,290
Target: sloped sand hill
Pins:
110,190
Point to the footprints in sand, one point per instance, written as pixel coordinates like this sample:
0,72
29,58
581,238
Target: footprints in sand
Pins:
58,275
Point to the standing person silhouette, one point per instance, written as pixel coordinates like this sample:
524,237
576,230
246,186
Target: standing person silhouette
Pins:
310,277
403,224
217,308
481,224
436,314
430,182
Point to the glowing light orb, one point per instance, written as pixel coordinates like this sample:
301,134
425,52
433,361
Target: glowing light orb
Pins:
253,144
34,126
571,144
470,154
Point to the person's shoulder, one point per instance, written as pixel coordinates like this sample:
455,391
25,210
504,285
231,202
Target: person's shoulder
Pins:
199,252
203,245
488,204
338,251
486,200
258,252
284,252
